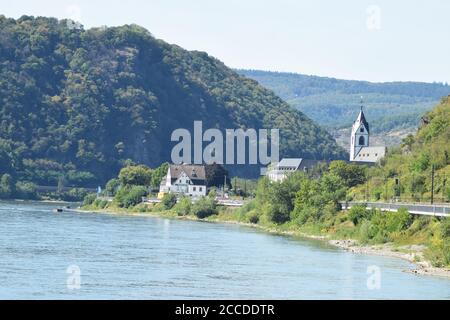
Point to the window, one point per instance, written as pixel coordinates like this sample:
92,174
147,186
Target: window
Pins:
361,141
362,129
194,188
376,154
200,189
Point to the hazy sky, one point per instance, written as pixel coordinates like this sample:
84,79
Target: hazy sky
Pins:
352,39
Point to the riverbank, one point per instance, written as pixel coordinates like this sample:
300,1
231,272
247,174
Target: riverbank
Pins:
411,253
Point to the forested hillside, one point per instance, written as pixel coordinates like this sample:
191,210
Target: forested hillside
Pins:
393,108
407,171
79,104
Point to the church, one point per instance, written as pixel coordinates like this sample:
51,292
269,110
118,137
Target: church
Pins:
360,149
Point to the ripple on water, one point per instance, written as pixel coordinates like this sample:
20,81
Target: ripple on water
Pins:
123,257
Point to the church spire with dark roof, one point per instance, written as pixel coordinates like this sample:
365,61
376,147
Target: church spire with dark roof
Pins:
362,118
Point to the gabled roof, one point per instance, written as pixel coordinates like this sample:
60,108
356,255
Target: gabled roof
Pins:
290,162
196,173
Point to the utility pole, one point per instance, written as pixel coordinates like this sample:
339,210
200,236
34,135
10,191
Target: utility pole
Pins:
397,189
444,181
432,183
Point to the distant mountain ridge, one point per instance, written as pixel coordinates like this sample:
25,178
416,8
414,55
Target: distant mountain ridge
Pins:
391,107
76,105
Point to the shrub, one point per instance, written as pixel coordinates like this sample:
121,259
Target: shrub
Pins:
307,214
26,190
445,229
358,213
99,203
6,186
112,186
204,207
183,207
74,194
252,216
398,221
168,201
89,199
130,196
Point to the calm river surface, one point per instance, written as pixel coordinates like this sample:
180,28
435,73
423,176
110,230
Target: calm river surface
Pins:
123,257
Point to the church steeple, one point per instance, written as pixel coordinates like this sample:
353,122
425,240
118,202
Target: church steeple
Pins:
362,118
360,134
360,149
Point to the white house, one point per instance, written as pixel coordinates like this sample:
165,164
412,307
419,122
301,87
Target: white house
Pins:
278,171
360,149
188,180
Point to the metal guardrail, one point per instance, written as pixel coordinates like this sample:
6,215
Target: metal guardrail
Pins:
419,209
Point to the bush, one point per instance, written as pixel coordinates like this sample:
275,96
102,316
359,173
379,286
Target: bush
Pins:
358,213
130,196
26,190
112,186
75,194
89,199
204,207
183,207
366,231
168,201
6,186
306,214
252,216
100,204
445,229
398,221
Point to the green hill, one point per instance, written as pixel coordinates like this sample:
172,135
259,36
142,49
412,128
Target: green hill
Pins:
78,104
407,170
393,108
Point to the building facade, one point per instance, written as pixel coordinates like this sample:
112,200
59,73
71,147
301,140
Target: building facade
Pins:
360,148
187,180
279,171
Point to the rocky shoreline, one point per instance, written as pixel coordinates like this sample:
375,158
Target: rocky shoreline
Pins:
411,253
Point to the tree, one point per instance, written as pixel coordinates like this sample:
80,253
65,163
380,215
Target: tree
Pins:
112,186
135,176
204,207
168,200
183,207
158,174
6,186
129,196
351,174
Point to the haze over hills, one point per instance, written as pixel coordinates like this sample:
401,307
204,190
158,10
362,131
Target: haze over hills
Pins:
392,108
79,104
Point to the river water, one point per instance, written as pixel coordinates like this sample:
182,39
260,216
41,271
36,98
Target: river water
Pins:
69,255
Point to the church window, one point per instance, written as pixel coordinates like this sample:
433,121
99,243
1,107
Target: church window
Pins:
362,129
361,141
